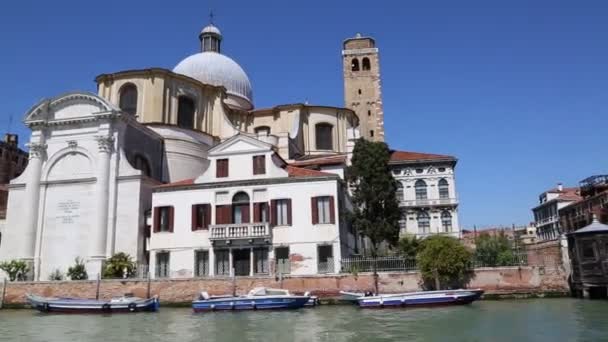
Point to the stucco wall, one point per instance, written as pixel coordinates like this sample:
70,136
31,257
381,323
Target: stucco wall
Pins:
493,280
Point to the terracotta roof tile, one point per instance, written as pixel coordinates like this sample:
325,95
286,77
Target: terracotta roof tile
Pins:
293,171
178,183
321,160
397,156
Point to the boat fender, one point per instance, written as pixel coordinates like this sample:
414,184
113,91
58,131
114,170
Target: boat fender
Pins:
232,305
106,307
46,307
132,307
253,306
213,307
381,302
402,302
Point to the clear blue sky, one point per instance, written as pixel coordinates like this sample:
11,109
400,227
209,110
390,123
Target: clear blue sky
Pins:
518,91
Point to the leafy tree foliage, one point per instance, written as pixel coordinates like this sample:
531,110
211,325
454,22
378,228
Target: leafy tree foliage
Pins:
376,210
56,275
78,271
119,265
408,246
494,250
16,269
444,262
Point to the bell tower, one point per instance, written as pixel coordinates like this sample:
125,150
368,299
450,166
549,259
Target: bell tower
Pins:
361,69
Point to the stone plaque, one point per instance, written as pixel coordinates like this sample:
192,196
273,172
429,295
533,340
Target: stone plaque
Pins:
68,211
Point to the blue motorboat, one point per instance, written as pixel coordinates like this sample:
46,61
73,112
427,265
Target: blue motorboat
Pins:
126,303
259,298
423,298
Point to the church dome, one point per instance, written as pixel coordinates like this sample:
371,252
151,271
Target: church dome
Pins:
211,67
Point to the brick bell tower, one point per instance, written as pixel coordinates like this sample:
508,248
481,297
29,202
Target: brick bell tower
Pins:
362,91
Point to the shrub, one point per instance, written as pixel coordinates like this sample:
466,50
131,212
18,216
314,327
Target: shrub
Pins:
444,262
56,275
116,266
493,251
408,246
78,271
16,269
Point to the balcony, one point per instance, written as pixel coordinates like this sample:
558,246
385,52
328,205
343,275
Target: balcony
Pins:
429,202
238,231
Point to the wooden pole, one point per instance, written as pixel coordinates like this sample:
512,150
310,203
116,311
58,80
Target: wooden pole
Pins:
148,285
98,284
3,294
233,282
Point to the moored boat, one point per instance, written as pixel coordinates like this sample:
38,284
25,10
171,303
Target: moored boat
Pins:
259,298
125,303
423,298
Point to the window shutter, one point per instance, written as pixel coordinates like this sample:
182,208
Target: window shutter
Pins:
289,211
219,214
245,213
207,211
194,222
171,215
257,213
314,210
332,210
221,168
156,220
273,213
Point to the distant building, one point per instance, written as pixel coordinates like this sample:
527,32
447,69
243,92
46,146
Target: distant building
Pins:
593,201
588,250
13,161
426,193
468,236
525,235
546,216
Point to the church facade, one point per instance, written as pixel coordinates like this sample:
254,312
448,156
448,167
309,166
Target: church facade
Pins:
179,170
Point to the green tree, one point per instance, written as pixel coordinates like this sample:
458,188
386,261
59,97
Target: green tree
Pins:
408,246
376,210
16,269
78,271
493,250
444,262
118,264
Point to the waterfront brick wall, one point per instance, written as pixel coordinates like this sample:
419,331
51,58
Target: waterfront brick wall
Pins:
493,280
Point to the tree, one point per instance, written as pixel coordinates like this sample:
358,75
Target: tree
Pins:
376,209
408,246
16,269
444,262
119,265
494,250
78,271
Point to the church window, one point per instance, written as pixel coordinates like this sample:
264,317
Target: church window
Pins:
262,130
369,113
128,98
359,91
366,65
420,187
444,191
259,165
185,112
354,65
371,133
324,136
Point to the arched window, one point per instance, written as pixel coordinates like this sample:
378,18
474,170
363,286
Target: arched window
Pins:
141,163
128,98
366,65
262,130
444,191
446,221
424,222
324,136
399,191
403,221
185,112
420,187
354,65
240,208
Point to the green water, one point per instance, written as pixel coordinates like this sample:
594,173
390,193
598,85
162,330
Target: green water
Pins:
561,319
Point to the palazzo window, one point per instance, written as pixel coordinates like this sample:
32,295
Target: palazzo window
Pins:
444,191
281,212
323,210
420,187
240,208
221,168
201,263
424,222
163,219
259,165
324,136
446,221
185,112
399,192
162,264
201,216
128,99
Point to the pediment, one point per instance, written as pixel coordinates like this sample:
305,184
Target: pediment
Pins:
239,144
68,106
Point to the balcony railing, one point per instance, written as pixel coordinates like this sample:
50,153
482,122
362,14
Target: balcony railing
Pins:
429,202
239,231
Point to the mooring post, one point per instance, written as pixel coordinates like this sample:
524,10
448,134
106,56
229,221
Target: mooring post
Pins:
3,293
233,283
98,283
281,279
148,285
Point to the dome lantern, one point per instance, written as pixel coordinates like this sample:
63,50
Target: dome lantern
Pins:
211,38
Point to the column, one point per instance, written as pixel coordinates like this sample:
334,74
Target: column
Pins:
211,262
251,262
231,263
97,249
32,200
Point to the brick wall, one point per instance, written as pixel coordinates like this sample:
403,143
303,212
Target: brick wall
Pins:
493,280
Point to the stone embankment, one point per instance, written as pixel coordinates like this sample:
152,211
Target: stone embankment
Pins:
498,282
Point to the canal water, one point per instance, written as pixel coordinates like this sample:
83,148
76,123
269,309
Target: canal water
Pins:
562,319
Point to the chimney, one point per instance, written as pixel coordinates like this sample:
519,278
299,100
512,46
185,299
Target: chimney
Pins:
560,187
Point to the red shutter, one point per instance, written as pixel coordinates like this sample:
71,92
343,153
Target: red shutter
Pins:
257,212
194,219
245,213
207,218
314,210
171,216
219,214
289,211
221,168
156,220
332,210
273,213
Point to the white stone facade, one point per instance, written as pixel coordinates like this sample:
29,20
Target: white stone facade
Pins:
427,193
